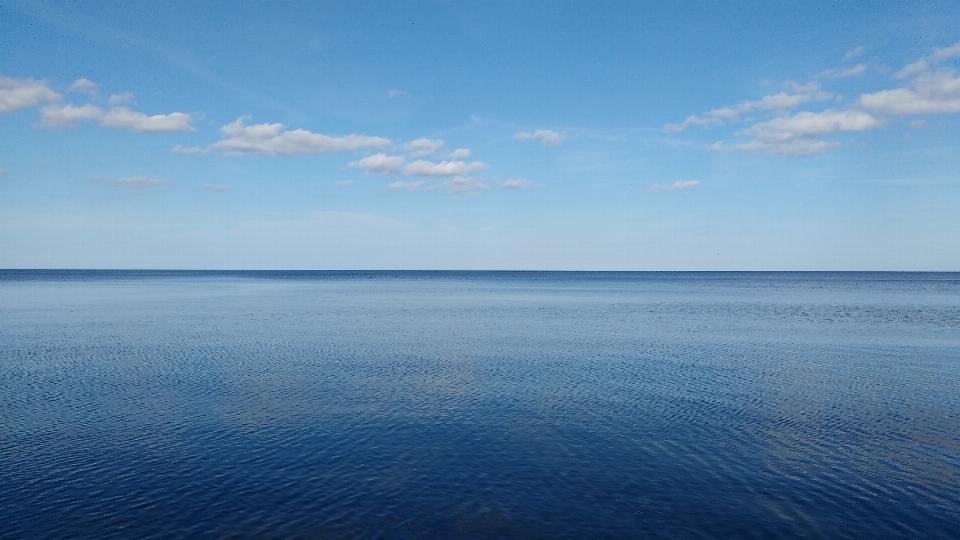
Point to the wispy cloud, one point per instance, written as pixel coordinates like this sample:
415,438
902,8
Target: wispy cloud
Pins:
395,93
676,186
16,94
855,71
272,140
444,168
929,93
545,136
423,147
926,62
117,117
215,188
344,183
416,185
84,85
190,150
853,53
459,153
3,172
378,164
516,183
117,99
799,134
464,184
795,95
136,183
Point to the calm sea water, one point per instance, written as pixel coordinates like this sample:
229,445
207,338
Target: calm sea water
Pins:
475,405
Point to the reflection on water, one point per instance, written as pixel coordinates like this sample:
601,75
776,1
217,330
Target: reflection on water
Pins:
426,404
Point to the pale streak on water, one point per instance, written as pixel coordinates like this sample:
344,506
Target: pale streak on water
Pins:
475,405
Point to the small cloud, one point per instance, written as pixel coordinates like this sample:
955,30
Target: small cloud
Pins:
459,153
397,93
931,93
464,184
136,183
910,70
799,134
516,183
215,188
676,186
117,99
378,164
444,168
855,71
3,172
190,150
927,62
423,147
416,185
271,140
853,53
794,95
16,94
917,124
118,117
547,136
345,183
83,85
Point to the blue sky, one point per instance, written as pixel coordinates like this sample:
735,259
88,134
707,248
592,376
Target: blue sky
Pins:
451,135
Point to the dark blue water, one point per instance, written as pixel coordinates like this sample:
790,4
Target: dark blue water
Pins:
475,405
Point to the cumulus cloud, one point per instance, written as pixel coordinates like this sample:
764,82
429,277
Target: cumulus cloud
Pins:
799,134
394,93
117,99
444,168
271,140
83,85
516,183
546,136
16,94
416,185
676,186
459,153
795,95
215,188
117,117
929,93
136,183
853,53
378,164
855,71
423,147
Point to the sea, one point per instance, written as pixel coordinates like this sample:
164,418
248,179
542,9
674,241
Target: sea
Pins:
168,404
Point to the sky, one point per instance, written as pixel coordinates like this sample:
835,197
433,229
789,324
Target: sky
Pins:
480,135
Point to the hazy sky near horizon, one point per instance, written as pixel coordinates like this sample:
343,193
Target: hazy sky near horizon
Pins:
480,135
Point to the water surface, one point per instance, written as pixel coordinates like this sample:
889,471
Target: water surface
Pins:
474,405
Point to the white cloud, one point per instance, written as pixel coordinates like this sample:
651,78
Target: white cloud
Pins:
676,186
124,118
394,93
464,184
444,168
798,134
118,117
855,71
459,153
83,85
216,188
117,99
190,150
926,62
136,183
416,185
797,94
378,164
16,94
853,53
271,140
932,93
68,114
345,183
546,136
423,147
516,183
